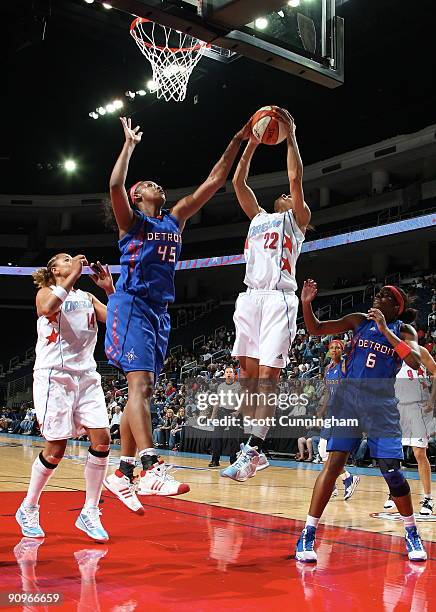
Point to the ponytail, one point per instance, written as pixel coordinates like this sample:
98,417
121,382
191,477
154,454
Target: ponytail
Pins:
43,278
409,315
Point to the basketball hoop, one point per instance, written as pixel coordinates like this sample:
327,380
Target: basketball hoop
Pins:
173,56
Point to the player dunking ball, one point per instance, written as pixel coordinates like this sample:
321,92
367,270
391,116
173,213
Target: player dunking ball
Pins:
382,340
265,315
333,374
416,405
67,392
138,321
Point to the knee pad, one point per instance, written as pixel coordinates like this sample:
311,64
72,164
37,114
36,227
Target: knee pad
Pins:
391,471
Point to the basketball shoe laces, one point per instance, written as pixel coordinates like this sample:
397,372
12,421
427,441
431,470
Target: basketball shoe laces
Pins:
243,458
91,518
414,538
162,471
31,516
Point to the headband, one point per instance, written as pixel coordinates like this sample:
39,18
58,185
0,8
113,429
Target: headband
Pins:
398,297
132,191
341,344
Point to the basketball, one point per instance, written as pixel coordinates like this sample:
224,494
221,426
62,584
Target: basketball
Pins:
266,129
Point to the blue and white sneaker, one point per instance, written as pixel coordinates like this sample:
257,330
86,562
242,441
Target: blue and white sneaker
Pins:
350,485
304,550
245,465
89,522
415,547
28,519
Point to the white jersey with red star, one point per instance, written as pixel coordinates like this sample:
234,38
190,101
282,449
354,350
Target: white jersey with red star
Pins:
271,251
67,339
412,386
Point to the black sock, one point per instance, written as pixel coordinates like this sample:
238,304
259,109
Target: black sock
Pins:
255,441
148,461
127,469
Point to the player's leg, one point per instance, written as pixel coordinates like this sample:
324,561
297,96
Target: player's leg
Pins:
424,470
155,478
95,472
42,469
246,463
217,446
338,451
399,489
122,482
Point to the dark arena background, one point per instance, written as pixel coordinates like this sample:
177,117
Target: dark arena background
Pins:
357,77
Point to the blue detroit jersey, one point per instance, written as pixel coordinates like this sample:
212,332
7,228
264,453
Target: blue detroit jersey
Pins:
371,354
149,253
332,376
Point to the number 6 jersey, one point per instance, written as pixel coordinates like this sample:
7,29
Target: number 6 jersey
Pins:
67,339
271,251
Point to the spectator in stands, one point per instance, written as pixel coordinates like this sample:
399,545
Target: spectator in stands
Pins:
166,427
176,429
115,425
308,445
27,423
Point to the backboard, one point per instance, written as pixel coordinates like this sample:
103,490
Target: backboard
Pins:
302,37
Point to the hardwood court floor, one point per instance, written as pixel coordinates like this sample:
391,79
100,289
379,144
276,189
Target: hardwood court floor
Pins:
224,545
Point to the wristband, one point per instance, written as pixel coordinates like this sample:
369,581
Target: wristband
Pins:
402,349
60,293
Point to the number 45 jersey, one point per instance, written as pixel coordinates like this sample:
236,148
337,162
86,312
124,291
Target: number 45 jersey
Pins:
149,254
271,251
67,339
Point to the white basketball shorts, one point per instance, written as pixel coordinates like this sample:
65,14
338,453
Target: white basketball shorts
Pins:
66,403
416,424
265,323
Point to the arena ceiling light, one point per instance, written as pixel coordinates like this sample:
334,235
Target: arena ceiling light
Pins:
106,5
70,165
151,85
261,23
89,1
294,3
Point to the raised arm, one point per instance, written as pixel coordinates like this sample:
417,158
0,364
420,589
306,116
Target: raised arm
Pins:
295,173
123,212
246,198
47,302
189,205
314,326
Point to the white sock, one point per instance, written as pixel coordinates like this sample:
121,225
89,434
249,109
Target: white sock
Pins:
409,521
259,431
38,480
95,471
312,521
427,495
147,451
345,475
131,460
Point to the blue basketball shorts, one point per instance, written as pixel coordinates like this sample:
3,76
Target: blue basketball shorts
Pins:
137,333
376,415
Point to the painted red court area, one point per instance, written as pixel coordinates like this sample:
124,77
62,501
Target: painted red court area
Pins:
189,556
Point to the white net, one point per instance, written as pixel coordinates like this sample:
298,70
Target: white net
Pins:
173,56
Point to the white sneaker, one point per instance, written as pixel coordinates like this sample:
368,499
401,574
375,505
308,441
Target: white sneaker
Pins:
26,551
335,492
244,466
157,481
120,485
263,462
89,522
389,503
28,519
426,507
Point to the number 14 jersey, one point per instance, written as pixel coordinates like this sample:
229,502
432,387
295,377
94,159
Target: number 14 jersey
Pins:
271,251
67,339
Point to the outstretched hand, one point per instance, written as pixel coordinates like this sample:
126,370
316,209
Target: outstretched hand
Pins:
133,136
309,291
245,133
285,117
102,277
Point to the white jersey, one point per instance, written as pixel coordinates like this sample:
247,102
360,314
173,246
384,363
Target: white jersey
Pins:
67,339
412,386
271,251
